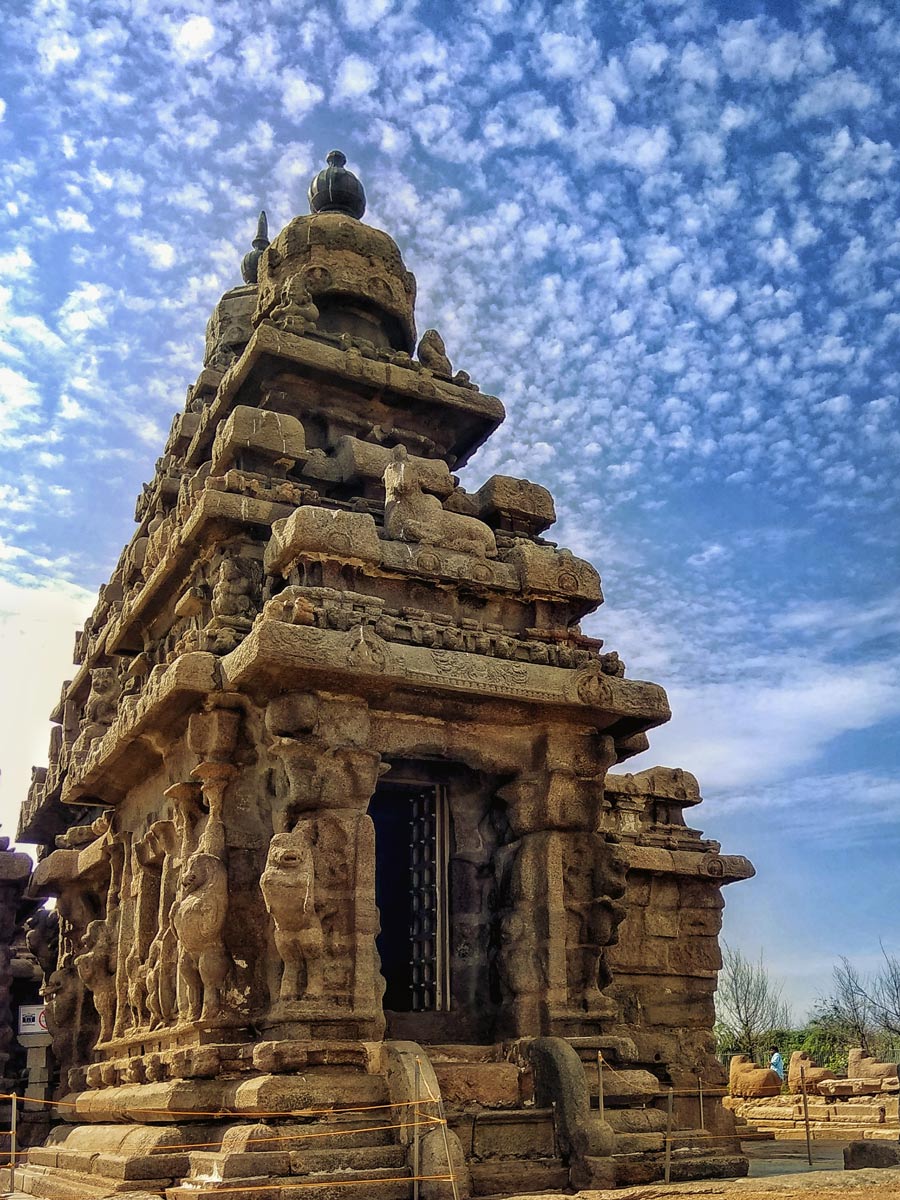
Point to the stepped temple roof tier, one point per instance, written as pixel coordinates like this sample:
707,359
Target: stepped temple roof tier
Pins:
331,774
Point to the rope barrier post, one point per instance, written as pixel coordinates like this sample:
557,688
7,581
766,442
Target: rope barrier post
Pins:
450,1170
600,1098
13,1135
669,1104
700,1094
417,1094
806,1116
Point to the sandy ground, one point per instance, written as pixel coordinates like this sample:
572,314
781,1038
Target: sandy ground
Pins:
817,1185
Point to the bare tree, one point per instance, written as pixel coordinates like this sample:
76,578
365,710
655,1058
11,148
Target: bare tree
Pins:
885,994
749,1005
868,1005
851,1005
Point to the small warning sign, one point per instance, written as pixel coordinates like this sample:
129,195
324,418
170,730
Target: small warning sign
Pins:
32,1018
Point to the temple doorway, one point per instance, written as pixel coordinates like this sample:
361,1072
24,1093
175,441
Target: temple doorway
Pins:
412,846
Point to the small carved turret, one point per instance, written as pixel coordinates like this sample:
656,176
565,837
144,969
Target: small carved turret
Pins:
250,261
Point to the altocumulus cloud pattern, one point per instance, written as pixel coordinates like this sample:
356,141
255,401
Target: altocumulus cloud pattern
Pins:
667,235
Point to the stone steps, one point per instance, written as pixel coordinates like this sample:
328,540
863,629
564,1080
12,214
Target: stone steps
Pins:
56,1184
388,1183
482,1084
508,1177
642,1168
293,1162
622,1088
504,1133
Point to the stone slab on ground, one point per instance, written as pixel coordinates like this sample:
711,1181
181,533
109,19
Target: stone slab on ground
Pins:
868,1184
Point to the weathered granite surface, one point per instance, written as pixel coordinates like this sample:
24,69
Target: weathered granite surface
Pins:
317,648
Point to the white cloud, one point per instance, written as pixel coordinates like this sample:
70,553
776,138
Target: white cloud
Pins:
356,76
19,396
37,624
73,220
57,49
644,149
365,14
566,55
15,262
761,730
714,552
161,255
839,90
298,95
716,303
646,59
85,307
194,39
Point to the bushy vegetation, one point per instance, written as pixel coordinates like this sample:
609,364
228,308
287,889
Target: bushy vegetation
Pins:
864,1011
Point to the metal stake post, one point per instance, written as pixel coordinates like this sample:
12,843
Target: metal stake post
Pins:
600,1098
417,1097
700,1092
671,1101
13,1133
806,1115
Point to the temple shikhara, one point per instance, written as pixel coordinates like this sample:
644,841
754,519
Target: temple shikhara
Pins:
346,891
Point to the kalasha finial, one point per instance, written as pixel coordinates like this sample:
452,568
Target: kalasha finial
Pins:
335,189
250,261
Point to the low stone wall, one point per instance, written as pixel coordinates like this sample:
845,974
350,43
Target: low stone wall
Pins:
833,1117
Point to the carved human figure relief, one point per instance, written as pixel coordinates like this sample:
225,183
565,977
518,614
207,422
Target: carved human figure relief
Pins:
413,515
288,888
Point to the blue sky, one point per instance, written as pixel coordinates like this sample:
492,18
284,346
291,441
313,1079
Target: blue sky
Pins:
666,234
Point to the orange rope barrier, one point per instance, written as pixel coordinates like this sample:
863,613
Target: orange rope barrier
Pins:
291,1137
318,1183
224,1112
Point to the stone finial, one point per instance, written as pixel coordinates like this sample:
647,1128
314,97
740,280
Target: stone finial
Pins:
336,189
250,261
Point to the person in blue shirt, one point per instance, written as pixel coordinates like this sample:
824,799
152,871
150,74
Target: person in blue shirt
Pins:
777,1063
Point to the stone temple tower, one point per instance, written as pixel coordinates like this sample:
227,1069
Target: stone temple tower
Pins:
327,814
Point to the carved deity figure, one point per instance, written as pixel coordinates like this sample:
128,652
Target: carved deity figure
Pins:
232,593
198,917
162,970
288,888
99,708
295,311
96,967
594,879
413,515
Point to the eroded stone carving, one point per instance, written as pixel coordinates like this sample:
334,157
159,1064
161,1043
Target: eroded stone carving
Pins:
412,515
288,886
96,967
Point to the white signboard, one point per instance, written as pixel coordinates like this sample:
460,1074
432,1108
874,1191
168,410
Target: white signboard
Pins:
32,1018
